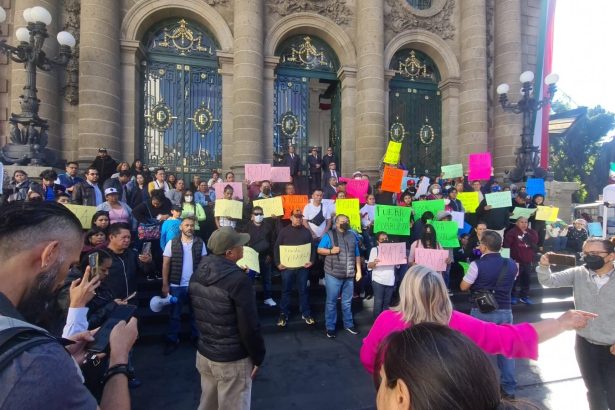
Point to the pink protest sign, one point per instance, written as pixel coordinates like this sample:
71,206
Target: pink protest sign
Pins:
357,188
392,254
237,189
258,172
280,174
480,166
432,258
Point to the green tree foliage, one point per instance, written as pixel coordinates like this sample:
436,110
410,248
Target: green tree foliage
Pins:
581,154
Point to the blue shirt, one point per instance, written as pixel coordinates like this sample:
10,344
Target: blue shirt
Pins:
67,181
168,231
325,243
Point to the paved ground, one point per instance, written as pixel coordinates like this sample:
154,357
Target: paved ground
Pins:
305,370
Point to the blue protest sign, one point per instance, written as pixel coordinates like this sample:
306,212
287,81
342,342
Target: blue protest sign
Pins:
535,186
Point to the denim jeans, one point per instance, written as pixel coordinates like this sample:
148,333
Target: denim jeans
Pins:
289,277
506,366
183,298
333,287
265,276
382,297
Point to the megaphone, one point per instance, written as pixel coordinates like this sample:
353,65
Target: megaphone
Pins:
156,304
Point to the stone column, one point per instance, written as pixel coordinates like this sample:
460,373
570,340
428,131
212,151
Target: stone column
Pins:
47,82
226,71
451,154
100,99
248,70
507,70
271,62
131,69
370,133
348,79
473,125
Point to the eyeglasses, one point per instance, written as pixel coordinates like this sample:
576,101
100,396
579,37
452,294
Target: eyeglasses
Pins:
594,253
257,213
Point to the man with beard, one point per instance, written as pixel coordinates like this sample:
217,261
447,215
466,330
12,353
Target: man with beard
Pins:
38,243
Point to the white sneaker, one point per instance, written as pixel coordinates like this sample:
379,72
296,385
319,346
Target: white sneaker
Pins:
270,302
321,282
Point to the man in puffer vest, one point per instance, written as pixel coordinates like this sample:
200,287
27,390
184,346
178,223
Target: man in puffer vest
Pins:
180,259
342,263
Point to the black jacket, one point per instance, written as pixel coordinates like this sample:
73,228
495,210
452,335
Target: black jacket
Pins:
225,311
145,212
293,163
122,279
106,167
84,194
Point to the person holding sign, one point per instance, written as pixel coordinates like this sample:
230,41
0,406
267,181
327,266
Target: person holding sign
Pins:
523,244
317,219
294,234
340,248
426,241
539,226
224,220
383,277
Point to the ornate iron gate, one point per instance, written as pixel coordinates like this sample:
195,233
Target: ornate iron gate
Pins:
182,96
290,113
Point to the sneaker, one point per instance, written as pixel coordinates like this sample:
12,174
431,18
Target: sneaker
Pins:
526,300
321,282
170,347
308,319
368,297
353,330
514,300
270,302
282,320
331,334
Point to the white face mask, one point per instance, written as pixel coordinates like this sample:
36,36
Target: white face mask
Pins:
435,191
258,218
188,198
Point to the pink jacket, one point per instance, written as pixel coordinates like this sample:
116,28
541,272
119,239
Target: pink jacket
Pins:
513,341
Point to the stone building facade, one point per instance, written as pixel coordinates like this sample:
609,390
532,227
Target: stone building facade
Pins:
368,53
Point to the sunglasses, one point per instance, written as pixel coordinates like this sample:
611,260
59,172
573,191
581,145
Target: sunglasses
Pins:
257,213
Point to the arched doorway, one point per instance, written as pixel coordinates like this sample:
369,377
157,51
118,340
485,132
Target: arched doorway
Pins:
307,97
415,111
182,99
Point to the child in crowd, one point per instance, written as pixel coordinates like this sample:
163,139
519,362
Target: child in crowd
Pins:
170,227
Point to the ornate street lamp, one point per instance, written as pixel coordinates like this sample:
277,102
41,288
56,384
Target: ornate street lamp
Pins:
528,155
28,132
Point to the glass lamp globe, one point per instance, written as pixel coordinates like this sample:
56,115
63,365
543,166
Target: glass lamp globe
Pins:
2,15
526,77
27,15
40,14
551,79
66,39
503,89
22,34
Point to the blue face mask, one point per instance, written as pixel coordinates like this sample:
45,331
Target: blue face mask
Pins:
496,188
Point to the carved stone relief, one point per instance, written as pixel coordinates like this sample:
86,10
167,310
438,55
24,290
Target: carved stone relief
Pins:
402,16
217,2
72,9
336,10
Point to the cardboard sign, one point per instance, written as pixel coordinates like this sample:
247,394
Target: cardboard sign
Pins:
394,220
271,206
392,154
480,166
469,200
522,212
459,217
280,174
228,208
432,258
290,202
83,213
350,208
434,206
237,189
258,172
391,179
452,171
357,188
423,187
405,180
547,213
392,254
595,229
499,199
329,206
295,256
535,186
249,260
505,252
446,233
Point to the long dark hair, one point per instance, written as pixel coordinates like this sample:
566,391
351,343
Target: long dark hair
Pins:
431,359
428,237
98,214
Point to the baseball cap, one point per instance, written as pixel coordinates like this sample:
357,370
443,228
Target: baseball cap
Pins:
442,214
110,191
298,213
177,208
226,238
102,149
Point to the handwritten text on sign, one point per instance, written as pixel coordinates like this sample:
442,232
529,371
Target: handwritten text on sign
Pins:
394,220
250,260
295,256
290,202
392,253
350,208
258,172
432,258
392,153
499,199
228,208
271,206
357,188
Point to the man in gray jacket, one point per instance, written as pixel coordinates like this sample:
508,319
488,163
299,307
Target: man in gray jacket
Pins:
594,291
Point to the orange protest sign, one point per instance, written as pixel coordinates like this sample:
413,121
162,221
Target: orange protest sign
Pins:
391,180
290,202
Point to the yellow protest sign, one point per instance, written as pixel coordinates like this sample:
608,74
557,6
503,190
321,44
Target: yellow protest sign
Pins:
83,213
250,260
271,206
350,208
469,200
547,213
392,154
228,208
295,256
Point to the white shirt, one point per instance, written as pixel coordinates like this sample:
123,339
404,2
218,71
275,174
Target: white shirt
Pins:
187,265
382,274
600,281
310,211
76,321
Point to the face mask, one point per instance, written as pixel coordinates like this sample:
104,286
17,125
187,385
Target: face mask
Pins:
436,191
258,218
266,191
593,262
188,198
447,187
345,226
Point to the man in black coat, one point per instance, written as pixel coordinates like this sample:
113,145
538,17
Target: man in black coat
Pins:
315,169
293,161
230,340
105,165
328,158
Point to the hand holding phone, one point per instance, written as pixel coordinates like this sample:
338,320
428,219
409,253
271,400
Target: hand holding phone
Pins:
93,262
101,338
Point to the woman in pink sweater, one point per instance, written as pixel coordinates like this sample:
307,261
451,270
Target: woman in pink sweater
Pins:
424,298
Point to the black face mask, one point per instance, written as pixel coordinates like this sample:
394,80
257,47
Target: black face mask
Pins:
266,191
593,262
345,226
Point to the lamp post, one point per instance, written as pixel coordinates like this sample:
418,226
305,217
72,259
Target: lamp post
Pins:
28,131
528,155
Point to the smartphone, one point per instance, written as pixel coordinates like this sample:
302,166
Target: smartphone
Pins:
147,248
100,344
93,262
563,260
130,296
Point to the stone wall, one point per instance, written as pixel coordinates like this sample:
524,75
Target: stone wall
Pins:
5,29
530,25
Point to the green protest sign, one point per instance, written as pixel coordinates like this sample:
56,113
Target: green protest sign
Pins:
446,233
434,206
499,199
452,171
522,212
394,220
